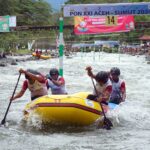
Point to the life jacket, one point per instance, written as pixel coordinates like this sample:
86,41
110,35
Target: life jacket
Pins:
116,94
55,89
101,89
37,89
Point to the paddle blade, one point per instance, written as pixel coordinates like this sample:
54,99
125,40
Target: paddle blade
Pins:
104,123
3,122
107,124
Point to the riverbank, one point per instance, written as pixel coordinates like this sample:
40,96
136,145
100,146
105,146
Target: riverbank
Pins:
13,60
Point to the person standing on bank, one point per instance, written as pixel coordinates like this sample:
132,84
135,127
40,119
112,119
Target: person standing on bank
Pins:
55,82
35,82
118,94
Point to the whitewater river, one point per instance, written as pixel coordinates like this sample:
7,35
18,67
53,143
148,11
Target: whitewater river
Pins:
131,120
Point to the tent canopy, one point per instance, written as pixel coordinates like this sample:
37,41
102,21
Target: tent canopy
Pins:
145,38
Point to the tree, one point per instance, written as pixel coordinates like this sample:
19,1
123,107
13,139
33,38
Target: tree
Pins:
28,12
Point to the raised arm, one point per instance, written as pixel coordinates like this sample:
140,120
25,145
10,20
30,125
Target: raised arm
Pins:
89,72
31,75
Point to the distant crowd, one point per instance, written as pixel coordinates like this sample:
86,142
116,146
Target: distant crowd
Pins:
136,49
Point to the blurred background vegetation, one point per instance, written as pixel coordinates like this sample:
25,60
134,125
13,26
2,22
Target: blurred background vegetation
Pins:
41,13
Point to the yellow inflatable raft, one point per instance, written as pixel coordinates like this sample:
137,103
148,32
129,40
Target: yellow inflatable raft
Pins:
72,109
41,56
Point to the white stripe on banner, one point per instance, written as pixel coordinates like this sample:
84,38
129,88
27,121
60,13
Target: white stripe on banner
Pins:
107,9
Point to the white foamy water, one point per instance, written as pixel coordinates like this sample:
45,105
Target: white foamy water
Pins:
131,120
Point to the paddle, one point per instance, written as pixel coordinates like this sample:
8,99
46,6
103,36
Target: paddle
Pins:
120,96
3,121
107,123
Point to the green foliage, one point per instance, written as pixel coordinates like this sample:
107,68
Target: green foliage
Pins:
39,13
28,12
23,51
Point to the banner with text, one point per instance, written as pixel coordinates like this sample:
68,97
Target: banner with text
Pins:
4,23
107,9
12,21
108,24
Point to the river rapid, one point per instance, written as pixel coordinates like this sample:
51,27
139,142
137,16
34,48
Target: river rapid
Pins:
131,119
